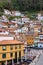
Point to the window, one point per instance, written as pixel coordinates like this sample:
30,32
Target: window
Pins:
15,55
11,54
11,47
15,46
3,55
19,54
4,47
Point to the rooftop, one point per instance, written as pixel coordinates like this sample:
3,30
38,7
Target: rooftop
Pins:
7,42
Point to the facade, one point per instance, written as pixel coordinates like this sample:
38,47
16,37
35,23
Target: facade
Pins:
11,51
40,44
30,39
36,41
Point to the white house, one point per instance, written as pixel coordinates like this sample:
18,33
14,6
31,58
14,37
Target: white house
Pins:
40,18
25,20
40,45
4,32
17,13
24,29
36,40
7,12
6,38
4,19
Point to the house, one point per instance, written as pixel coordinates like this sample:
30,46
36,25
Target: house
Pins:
24,29
40,44
36,39
16,13
30,39
25,19
4,19
11,51
6,37
40,17
37,28
7,12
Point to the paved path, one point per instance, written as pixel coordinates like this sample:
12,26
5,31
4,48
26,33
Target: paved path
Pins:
40,62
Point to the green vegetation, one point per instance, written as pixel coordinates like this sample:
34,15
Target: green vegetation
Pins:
12,17
5,5
1,13
28,5
22,5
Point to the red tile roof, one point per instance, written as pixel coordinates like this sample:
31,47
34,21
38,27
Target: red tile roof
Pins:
7,42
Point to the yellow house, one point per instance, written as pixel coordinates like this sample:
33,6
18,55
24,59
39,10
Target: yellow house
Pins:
30,39
11,51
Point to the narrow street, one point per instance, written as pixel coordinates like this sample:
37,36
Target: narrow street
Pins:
40,62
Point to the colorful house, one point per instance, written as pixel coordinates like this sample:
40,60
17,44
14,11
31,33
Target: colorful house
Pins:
30,39
11,51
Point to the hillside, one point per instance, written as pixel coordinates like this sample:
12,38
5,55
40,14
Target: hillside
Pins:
22,5
5,0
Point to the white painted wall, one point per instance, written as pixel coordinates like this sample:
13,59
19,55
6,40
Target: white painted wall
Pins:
6,38
4,32
40,45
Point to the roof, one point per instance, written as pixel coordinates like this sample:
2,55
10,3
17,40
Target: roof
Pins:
10,42
41,33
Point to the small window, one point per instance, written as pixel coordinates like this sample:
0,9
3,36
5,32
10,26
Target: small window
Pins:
19,54
3,55
4,47
11,54
11,47
15,46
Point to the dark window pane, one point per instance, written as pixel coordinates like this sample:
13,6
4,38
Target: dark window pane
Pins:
3,55
11,54
15,55
11,47
19,54
15,46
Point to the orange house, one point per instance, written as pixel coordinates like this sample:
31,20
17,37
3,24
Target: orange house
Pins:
30,39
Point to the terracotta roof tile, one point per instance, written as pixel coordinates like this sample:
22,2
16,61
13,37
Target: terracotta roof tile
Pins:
7,42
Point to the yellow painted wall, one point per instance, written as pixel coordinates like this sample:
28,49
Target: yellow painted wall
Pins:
8,51
22,53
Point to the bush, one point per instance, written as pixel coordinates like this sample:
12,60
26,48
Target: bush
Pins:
5,5
1,13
